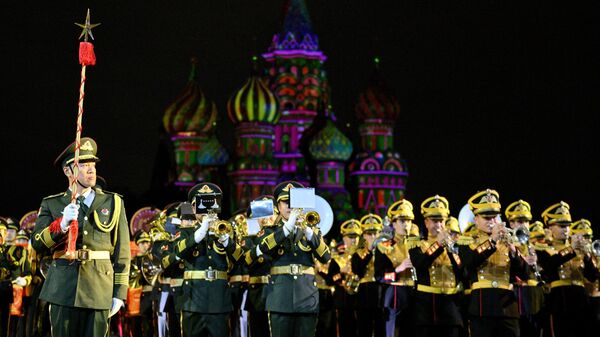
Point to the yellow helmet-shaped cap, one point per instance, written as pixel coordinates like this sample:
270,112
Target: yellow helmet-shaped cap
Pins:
557,214
485,202
350,227
518,210
401,209
435,207
371,223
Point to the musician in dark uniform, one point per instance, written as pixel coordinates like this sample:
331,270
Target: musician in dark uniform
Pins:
529,291
259,268
584,227
140,319
369,307
439,270
394,268
293,299
565,265
492,263
208,254
86,288
339,275
15,272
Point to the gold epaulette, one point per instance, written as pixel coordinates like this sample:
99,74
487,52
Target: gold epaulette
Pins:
540,246
363,252
465,240
412,242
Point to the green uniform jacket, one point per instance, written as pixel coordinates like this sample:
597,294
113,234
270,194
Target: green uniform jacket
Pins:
104,227
204,296
293,293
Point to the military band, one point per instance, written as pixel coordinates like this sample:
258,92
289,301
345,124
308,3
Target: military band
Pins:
195,274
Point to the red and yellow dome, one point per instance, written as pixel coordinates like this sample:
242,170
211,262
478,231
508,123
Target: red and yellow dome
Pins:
253,102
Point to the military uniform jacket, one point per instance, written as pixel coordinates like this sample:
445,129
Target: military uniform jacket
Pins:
202,295
437,269
335,277
387,258
493,266
289,293
173,270
259,267
370,292
564,271
86,284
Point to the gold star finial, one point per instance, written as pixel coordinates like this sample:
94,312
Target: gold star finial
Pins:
87,27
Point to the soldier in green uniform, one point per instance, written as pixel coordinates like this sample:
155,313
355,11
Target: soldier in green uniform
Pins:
19,253
369,308
492,263
439,271
259,268
238,278
86,289
565,264
529,291
293,300
208,254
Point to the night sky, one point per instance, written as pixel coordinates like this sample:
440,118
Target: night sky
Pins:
494,94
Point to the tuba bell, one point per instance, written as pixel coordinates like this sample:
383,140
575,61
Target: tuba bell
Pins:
151,269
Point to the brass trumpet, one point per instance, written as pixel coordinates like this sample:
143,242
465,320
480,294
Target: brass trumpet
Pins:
220,228
310,219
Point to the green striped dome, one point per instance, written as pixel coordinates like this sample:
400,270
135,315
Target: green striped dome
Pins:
330,144
254,102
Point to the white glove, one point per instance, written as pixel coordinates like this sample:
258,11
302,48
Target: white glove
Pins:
224,239
70,213
21,281
308,233
200,233
290,224
258,251
117,303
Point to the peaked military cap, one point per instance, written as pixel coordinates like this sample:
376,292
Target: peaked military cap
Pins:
536,230
518,210
582,227
557,214
350,227
435,207
204,189
371,223
142,236
11,224
22,235
87,153
282,190
485,202
452,225
401,209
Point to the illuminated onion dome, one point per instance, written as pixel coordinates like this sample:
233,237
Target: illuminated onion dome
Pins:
253,102
297,30
191,111
377,102
330,144
212,153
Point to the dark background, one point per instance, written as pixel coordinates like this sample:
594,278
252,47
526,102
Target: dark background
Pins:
494,94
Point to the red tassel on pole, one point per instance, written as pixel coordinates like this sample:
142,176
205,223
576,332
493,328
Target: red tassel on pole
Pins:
72,239
86,54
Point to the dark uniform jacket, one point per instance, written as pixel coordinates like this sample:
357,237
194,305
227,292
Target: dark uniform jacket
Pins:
173,270
370,292
437,270
491,270
342,297
258,270
387,258
86,284
564,270
293,293
202,295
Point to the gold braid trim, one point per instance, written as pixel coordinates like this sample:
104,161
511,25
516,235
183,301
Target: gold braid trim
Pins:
122,278
303,247
270,241
113,221
238,252
181,245
323,248
165,261
248,257
46,237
